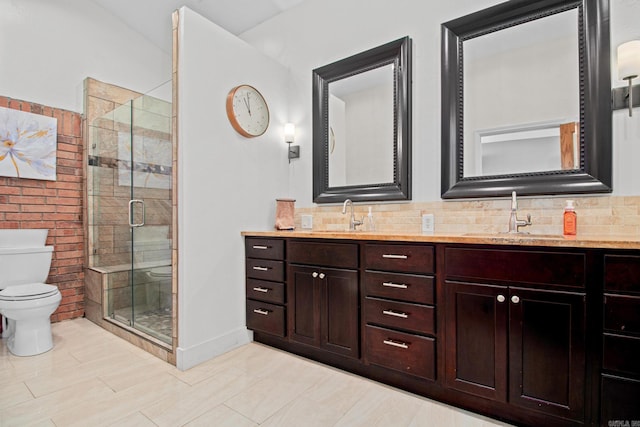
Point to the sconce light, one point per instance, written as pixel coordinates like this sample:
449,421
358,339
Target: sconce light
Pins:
289,136
628,69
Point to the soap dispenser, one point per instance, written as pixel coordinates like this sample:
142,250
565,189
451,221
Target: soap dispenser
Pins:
570,219
370,224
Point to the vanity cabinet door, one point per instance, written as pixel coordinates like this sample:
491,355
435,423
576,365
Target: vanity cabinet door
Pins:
324,308
547,351
304,305
476,339
339,326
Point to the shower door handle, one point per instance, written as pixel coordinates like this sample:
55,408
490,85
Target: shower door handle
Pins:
131,203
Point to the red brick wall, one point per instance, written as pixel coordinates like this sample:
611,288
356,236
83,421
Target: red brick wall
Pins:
55,205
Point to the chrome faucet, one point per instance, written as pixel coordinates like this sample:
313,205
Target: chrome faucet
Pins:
353,222
514,222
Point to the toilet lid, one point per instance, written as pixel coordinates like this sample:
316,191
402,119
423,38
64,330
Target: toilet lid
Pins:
28,291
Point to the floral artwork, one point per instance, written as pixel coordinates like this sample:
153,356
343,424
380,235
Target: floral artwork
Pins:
27,145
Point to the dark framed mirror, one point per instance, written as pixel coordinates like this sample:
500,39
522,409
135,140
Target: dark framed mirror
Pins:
526,103
362,126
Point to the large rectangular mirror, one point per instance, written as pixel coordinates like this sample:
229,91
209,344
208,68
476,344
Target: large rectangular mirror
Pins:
362,126
525,100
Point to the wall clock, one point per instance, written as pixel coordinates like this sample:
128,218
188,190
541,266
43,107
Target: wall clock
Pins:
247,111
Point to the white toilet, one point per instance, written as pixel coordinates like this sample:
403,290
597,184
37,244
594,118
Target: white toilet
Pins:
26,302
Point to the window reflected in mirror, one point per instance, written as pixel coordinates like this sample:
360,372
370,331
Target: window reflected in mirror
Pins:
525,149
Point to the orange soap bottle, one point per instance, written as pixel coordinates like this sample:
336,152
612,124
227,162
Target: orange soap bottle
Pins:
570,219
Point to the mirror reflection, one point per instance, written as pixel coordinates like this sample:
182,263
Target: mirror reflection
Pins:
361,109
522,98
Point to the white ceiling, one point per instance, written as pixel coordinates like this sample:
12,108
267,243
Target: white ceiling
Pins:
152,18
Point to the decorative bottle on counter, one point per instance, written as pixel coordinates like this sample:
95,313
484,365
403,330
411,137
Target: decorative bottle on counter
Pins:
570,219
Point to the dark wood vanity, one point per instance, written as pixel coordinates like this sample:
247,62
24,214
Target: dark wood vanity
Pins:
529,334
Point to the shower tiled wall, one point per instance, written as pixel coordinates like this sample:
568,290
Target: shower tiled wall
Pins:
108,120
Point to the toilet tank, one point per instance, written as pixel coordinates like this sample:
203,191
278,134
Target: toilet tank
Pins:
23,238
23,257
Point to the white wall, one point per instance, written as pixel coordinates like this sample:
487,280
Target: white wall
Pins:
319,32
49,47
226,183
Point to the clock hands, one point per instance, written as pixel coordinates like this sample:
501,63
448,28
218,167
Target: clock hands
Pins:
247,103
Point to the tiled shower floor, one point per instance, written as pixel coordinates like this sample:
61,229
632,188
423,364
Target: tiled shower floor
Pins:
156,323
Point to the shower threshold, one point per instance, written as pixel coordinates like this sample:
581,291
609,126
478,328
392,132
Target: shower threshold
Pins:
141,331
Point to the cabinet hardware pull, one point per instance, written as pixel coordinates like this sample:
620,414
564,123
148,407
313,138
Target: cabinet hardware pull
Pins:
261,311
260,247
395,314
259,289
515,299
314,274
501,298
396,343
321,275
261,268
394,285
392,256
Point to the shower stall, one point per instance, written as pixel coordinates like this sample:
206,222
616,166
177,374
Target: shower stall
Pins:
130,209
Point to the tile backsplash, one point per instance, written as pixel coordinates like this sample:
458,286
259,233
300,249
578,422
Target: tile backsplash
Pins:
597,215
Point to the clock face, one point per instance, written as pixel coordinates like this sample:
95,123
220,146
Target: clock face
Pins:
247,111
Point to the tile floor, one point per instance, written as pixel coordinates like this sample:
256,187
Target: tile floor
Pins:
92,378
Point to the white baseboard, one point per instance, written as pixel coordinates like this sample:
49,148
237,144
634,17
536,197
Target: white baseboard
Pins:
189,357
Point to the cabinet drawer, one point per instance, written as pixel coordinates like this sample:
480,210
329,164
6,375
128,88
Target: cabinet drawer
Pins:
265,269
405,287
619,399
622,313
265,317
265,291
411,354
622,273
533,267
340,255
264,248
621,354
401,258
402,315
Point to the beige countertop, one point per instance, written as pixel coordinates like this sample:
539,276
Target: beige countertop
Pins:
603,242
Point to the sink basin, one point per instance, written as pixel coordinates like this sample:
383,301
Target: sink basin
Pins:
517,236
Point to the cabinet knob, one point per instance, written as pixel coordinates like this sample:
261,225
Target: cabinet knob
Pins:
314,274
501,298
321,275
515,299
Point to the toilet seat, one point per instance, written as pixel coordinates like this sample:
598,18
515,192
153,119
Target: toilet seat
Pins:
164,271
28,292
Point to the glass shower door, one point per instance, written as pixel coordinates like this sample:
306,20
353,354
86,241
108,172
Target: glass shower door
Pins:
149,211
130,202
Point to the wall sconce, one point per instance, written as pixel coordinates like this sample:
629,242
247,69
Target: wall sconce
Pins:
628,69
289,136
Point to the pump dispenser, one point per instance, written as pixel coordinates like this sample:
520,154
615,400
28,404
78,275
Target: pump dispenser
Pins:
570,219
370,224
